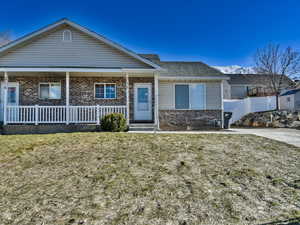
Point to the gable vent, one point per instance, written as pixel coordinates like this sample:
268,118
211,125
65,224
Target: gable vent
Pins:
67,36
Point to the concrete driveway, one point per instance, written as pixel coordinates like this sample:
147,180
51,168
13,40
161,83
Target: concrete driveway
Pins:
290,136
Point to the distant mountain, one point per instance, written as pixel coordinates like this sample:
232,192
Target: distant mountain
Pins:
235,69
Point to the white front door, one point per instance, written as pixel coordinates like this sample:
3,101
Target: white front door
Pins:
143,102
12,96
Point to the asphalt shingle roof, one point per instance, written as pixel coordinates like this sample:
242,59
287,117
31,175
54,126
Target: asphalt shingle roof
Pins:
188,69
255,79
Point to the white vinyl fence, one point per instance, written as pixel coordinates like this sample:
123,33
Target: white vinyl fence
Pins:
60,114
241,107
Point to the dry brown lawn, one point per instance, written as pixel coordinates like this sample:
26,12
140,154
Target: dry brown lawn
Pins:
119,178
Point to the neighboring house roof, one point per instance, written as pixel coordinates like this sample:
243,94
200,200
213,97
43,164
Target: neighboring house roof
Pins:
64,21
185,69
290,92
255,79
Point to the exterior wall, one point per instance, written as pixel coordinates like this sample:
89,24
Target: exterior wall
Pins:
238,91
48,128
167,94
83,51
29,89
132,81
287,102
297,101
81,90
190,119
172,119
226,90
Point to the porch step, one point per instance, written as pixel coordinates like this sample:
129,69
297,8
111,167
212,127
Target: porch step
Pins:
142,127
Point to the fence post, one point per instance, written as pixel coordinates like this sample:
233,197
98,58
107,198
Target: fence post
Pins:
67,114
98,114
36,110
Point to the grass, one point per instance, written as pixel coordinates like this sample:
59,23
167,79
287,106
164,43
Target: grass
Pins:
119,178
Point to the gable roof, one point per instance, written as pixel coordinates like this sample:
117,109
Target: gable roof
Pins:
255,79
290,92
185,69
65,21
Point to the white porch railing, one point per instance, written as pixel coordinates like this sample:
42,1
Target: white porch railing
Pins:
59,114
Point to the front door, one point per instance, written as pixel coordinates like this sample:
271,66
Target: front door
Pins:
143,102
12,96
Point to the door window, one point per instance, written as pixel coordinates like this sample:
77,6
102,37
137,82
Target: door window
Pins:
11,95
143,99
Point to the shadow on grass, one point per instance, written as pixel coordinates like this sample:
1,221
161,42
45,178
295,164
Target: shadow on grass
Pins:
293,221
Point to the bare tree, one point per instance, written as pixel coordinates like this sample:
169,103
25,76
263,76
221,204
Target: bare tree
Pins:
5,37
279,63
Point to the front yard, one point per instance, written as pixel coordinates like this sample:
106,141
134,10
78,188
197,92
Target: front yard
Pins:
119,178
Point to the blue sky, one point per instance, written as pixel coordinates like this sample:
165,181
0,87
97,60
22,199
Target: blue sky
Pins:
220,32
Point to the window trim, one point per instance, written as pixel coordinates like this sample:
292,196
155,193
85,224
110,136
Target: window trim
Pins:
63,37
105,90
190,105
49,83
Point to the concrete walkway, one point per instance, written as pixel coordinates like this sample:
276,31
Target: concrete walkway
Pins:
289,136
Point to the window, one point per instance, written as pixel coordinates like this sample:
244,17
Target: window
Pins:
50,91
190,96
288,99
67,36
105,91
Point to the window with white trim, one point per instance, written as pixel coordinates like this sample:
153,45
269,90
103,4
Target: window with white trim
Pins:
50,90
105,91
67,36
190,96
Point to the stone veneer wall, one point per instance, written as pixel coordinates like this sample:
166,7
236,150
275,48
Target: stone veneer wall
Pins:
49,128
81,90
29,89
132,81
189,119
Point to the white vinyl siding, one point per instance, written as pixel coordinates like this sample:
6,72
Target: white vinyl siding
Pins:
83,51
166,95
212,96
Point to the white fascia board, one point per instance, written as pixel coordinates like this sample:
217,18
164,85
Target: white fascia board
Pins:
191,78
27,69
58,70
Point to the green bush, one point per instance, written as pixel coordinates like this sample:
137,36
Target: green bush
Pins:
114,122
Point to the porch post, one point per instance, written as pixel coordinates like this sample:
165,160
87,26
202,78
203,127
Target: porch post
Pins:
67,96
156,103
5,98
127,98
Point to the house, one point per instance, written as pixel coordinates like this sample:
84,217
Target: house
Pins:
240,86
65,75
290,100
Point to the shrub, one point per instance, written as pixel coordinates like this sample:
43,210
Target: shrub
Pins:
114,122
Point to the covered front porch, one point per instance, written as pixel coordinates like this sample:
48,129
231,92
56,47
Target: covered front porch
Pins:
77,96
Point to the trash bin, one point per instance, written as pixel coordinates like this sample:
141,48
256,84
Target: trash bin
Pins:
227,117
